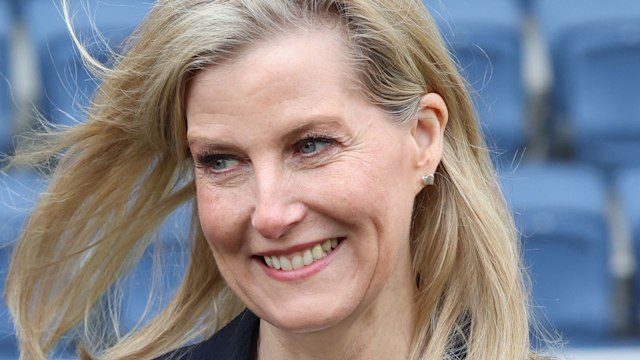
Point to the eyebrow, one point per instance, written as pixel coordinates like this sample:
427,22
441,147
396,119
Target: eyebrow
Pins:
305,125
313,122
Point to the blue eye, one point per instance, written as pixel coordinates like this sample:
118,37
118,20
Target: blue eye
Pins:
220,164
217,163
313,145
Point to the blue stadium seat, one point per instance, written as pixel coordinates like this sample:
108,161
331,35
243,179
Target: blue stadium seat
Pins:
6,121
486,40
560,213
627,186
556,17
67,85
18,193
15,6
526,4
595,48
603,83
173,257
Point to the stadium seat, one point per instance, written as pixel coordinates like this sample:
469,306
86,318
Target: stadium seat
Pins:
15,6
18,193
525,4
67,85
486,40
595,48
6,121
560,214
627,186
556,17
603,83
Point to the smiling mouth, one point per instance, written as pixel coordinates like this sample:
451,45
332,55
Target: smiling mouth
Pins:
300,259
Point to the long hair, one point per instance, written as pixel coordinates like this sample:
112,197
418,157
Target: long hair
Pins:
120,173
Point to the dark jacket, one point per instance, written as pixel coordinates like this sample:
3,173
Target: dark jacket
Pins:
236,341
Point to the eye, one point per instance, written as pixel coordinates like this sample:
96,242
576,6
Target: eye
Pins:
222,164
217,163
312,145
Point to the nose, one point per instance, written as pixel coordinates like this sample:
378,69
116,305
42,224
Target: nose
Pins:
277,210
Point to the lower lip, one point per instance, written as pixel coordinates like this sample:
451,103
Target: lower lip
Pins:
302,273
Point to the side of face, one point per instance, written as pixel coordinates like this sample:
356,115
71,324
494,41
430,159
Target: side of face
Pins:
289,156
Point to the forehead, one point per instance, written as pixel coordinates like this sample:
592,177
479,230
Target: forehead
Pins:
296,58
296,70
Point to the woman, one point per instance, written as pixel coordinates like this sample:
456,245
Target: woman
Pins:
345,205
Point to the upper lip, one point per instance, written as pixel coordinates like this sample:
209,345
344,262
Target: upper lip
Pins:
294,248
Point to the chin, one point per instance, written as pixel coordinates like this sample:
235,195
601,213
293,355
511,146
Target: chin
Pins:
308,320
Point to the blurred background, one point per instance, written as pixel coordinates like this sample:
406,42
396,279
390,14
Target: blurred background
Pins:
556,84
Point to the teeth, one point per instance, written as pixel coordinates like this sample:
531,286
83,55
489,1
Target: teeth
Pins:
307,258
300,259
317,252
285,264
296,262
326,246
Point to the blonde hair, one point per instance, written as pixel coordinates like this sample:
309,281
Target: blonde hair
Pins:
120,173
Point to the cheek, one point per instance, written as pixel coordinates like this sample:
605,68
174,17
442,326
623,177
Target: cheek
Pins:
350,188
384,192
378,180
367,187
221,217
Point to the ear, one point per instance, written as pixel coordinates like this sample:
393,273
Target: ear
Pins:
428,133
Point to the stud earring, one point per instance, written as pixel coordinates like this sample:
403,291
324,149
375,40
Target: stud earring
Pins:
428,179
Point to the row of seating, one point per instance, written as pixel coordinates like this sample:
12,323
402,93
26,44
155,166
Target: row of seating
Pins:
561,211
594,52
594,49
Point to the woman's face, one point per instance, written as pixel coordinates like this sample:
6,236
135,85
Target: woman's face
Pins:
304,189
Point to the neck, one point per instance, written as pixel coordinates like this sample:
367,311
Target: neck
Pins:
384,330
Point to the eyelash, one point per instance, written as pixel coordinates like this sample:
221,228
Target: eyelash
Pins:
206,160
317,137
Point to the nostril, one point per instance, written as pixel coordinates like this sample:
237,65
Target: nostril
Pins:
274,219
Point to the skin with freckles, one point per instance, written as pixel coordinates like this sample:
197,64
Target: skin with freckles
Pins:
289,153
